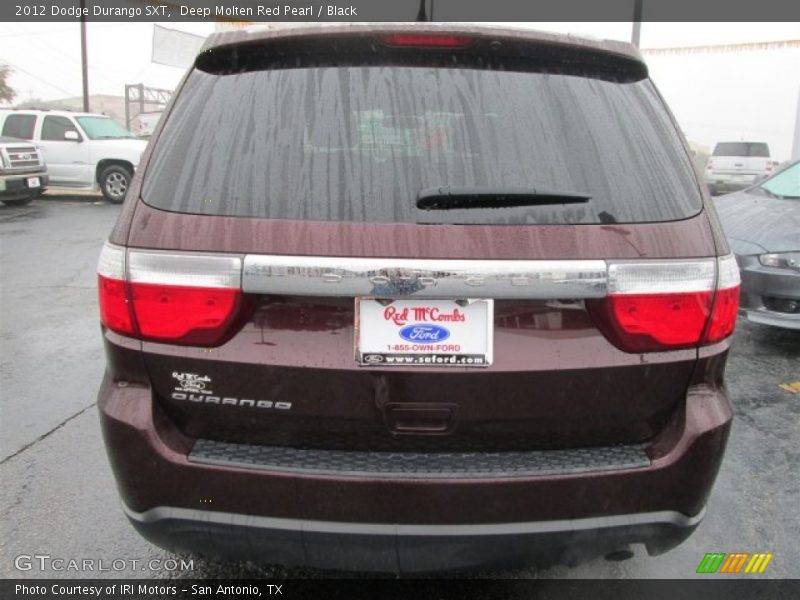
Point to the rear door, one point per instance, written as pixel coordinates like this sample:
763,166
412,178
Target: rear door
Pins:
313,185
67,160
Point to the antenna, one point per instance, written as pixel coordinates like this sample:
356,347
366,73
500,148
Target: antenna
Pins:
422,15
637,22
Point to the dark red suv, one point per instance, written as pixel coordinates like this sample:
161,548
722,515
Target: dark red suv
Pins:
416,297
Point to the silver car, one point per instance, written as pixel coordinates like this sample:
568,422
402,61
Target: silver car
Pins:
762,223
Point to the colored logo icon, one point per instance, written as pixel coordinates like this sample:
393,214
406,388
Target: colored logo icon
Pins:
734,563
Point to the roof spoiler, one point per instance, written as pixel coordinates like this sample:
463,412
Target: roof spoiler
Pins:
493,48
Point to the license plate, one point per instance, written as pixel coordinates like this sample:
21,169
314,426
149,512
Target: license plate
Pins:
424,333
33,182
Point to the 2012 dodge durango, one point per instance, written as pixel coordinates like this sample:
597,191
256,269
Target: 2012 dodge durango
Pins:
416,297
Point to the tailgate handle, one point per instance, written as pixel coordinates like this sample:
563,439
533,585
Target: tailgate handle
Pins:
423,419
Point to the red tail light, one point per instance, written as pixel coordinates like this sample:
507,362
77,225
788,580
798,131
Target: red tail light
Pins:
726,301
145,306
768,166
184,315
709,164
646,323
723,316
427,40
662,306
114,310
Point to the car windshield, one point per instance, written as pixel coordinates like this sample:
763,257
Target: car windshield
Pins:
785,184
102,128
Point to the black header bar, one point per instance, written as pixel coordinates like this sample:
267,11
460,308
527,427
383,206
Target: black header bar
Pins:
250,11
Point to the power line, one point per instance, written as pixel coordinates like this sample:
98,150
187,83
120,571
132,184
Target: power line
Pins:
32,33
61,30
76,61
62,55
37,78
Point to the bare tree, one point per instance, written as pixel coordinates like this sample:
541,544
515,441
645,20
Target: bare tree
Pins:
6,93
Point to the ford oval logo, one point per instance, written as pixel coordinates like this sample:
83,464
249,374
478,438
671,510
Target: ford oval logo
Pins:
423,332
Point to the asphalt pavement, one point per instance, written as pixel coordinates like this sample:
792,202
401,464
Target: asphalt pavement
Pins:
57,494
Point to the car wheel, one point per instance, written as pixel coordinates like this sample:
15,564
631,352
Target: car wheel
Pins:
18,201
712,190
114,182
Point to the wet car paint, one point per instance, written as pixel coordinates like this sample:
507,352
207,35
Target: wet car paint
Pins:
754,500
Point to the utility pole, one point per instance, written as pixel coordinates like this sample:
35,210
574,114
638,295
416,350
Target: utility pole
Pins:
796,143
637,22
84,62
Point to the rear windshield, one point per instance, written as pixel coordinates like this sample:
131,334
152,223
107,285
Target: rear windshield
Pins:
360,143
19,126
758,149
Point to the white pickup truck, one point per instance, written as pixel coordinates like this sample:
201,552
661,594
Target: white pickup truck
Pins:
82,150
737,165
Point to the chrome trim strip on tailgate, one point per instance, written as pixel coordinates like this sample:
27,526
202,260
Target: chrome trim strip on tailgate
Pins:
424,278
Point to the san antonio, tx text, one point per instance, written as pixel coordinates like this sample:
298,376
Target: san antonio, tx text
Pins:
234,591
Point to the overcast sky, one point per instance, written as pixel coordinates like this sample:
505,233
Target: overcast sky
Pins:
715,96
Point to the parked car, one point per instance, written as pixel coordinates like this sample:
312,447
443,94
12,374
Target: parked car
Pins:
23,174
82,150
763,226
737,165
432,297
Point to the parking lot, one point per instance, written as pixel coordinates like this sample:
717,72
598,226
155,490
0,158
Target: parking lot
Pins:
58,497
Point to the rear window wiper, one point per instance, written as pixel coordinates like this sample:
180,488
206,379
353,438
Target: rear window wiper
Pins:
451,198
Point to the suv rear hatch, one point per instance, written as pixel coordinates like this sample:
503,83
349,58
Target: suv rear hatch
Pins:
448,165
740,158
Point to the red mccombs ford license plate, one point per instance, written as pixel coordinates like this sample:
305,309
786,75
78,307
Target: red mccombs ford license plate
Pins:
425,333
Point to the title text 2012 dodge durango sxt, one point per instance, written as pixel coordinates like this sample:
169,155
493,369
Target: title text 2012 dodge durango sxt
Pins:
416,297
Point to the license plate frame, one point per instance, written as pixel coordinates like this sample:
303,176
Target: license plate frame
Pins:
467,343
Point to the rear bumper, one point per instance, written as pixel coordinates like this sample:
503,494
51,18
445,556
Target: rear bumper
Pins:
763,291
730,181
408,548
354,521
